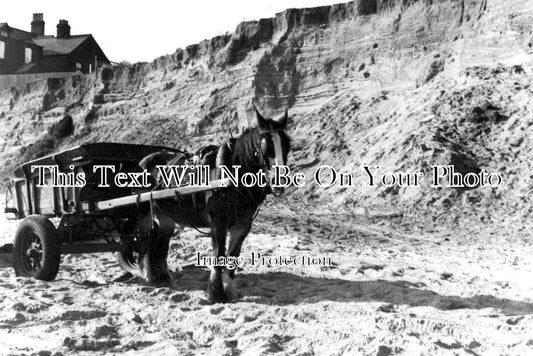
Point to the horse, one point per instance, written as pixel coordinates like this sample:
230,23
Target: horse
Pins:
229,210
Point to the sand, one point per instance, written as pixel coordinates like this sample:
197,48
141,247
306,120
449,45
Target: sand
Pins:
392,288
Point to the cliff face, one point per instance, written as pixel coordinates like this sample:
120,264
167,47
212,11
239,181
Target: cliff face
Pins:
402,84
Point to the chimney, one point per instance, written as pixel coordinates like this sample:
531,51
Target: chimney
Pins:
63,29
37,25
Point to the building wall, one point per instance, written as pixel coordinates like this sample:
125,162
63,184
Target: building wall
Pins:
88,54
14,54
37,56
57,63
84,58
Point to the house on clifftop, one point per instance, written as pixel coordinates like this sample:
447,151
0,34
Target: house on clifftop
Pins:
24,52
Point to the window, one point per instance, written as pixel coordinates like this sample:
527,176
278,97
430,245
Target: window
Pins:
2,50
78,66
27,55
3,33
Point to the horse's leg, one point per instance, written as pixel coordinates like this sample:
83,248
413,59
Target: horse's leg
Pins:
154,262
215,288
238,233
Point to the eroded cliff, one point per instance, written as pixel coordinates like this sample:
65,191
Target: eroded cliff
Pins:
399,84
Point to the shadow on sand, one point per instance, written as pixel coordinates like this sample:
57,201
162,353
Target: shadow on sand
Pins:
281,288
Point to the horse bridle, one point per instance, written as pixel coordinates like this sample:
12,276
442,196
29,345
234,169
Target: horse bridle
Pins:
278,152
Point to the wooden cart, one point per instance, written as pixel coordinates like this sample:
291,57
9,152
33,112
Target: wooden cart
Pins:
92,218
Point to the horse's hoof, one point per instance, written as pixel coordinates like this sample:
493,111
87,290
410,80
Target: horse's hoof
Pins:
163,281
216,295
229,288
232,293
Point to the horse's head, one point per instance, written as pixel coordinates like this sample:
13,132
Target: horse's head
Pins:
274,144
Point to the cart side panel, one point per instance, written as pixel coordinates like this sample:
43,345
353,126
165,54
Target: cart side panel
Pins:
44,198
21,198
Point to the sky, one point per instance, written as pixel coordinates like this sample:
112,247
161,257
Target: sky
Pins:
137,31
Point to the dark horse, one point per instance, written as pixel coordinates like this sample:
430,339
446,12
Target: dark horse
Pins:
227,210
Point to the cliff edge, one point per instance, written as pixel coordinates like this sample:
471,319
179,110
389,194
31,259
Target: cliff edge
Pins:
400,84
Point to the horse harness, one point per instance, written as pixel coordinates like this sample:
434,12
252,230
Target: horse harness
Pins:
224,153
278,152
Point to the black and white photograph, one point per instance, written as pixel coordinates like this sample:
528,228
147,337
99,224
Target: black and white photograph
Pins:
241,178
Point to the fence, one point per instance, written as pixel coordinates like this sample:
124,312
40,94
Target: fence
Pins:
20,80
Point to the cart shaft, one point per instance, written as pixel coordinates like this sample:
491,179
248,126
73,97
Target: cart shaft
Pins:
156,195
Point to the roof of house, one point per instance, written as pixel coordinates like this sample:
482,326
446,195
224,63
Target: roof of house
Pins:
52,45
15,33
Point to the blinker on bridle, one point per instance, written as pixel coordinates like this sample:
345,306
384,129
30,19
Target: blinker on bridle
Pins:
278,152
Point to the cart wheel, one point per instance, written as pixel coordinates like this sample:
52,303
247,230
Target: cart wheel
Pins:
36,249
129,261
